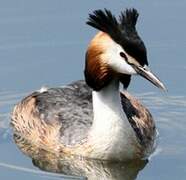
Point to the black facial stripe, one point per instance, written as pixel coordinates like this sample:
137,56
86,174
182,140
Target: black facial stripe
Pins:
137,50
123,55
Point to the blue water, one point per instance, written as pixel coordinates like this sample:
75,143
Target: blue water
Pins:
44,43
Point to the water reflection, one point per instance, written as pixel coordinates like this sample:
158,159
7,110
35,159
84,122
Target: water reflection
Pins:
90,169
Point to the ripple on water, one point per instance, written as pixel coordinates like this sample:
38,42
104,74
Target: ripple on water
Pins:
169,113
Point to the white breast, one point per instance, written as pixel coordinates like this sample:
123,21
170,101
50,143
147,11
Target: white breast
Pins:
111,135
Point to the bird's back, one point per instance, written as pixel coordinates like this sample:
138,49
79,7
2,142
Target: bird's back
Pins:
71,106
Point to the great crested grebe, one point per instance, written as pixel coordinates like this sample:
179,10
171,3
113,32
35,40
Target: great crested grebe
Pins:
96,121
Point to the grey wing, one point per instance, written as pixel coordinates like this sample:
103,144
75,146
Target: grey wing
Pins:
141,121
71,106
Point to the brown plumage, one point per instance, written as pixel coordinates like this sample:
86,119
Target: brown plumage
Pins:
26,122
97,70
141,120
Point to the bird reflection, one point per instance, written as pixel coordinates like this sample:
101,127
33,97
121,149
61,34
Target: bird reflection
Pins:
77,166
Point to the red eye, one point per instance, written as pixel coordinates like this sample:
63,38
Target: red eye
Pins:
123,55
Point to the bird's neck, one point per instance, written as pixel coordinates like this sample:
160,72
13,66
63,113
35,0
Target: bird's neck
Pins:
106,101
111,131
107,109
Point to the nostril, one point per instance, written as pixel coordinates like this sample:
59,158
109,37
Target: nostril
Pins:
145,67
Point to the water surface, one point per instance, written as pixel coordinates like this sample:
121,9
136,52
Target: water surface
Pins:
44,42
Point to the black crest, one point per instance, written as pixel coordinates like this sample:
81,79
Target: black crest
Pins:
128,19
122,31
104,21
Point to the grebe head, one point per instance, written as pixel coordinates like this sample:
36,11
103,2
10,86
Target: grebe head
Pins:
116,51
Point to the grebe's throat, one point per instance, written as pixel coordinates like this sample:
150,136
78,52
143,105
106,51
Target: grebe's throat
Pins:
106,101
107,109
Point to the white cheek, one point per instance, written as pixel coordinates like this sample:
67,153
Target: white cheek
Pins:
118,63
